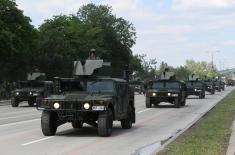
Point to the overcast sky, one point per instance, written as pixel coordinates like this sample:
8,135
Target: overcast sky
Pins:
169,30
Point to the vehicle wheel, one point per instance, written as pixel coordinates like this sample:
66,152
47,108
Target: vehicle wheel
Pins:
48,123
148,104
77,124
204,95
212,92
127,122
200,96
105,123
14,102
177,103
183,102
31,103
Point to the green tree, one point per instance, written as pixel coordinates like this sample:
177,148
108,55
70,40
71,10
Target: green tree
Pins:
201,68
63,40
68,38
118,34
18,39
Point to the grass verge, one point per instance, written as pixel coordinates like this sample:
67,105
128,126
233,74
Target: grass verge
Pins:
210,135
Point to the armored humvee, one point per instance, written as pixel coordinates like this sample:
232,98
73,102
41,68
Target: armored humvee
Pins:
166,89
230,82
219,85
88,98
34,88
210,85
196,87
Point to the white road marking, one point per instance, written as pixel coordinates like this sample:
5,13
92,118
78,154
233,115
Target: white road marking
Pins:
143,111
36,141
18,116
21,122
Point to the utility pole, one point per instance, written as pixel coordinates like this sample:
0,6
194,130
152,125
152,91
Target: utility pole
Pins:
212,57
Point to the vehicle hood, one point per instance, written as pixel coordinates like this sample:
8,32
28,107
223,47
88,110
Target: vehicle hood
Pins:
164,90
81,97
38,89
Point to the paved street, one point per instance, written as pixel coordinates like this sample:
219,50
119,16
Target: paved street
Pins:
20,131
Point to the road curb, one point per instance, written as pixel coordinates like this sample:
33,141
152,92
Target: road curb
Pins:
231,147
189,126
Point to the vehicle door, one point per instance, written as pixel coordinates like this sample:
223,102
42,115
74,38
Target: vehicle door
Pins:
125,97
183,90
118,99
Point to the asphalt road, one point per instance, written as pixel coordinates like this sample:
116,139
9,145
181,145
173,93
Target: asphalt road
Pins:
20,131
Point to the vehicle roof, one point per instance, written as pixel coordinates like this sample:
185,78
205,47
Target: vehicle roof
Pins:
36,81
180,81
94,78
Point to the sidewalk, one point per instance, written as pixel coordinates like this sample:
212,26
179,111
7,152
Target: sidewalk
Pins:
231,147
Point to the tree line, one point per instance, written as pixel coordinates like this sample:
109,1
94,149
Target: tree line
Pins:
57,42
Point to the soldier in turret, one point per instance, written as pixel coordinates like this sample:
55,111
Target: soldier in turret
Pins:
93,55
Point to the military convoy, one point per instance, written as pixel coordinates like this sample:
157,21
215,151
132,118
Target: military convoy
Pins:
34,88
87,98
98,100
166,89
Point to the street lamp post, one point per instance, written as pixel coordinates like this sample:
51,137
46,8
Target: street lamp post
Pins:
212,57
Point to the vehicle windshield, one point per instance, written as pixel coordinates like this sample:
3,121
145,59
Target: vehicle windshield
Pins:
30,84
194,84
87,86
165,85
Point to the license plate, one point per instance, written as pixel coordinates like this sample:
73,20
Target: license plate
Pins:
98,108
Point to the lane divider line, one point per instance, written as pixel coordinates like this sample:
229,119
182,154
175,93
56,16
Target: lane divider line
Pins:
36,141
143,111
21,122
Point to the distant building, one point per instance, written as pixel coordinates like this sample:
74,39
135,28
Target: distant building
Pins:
229,73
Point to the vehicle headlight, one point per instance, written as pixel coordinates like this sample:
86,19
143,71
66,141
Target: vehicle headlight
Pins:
175,95
17,93
30,93
56,105
35,94
195,89
169,94
86,106
154,94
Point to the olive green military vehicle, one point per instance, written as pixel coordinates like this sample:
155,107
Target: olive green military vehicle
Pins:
166,89
196,87
34,88
210,85
137,86
230,82
219,85
87,98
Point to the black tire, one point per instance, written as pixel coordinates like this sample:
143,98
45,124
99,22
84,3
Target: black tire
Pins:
14,102
183,102
31,103
105,123
148,104
204,95
200,95
176,103
77,124
48,123
127,122
213,92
